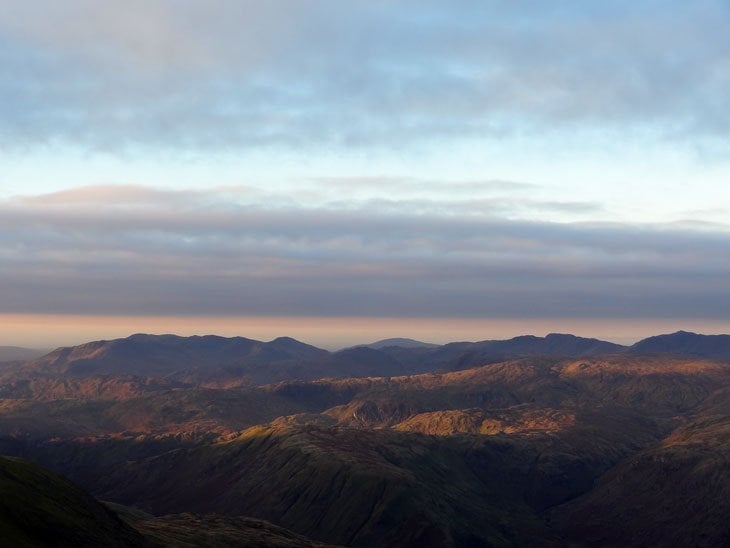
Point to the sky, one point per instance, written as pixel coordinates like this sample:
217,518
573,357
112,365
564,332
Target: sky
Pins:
345,171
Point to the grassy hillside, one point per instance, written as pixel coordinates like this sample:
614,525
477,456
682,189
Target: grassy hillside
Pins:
39,508
343,486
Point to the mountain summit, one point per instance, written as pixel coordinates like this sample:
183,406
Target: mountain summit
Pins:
154,355
399,342
685,343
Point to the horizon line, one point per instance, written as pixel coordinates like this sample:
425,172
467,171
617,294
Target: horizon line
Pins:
52,331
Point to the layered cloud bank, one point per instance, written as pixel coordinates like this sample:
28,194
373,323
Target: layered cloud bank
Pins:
230,73
134,250
503,160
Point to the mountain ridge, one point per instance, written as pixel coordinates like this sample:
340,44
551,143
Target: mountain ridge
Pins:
162,354
216,361
685,343
402,342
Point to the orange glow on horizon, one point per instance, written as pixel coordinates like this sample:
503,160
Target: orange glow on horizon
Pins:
48,330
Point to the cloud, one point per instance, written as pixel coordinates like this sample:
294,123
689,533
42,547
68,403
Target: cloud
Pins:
413,185
199,253
231,74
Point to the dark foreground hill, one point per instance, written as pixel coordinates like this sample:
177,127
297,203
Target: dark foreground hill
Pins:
40,508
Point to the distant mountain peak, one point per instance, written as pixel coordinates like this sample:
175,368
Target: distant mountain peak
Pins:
146,354
680,333
287,340
686,343
400,342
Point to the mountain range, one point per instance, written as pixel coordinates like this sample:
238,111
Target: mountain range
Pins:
146,362
532,441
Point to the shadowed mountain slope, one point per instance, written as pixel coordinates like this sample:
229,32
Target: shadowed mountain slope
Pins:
343,486
363,487
40,508
671,494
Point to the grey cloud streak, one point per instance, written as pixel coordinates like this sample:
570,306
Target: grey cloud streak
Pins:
199,253
232,74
